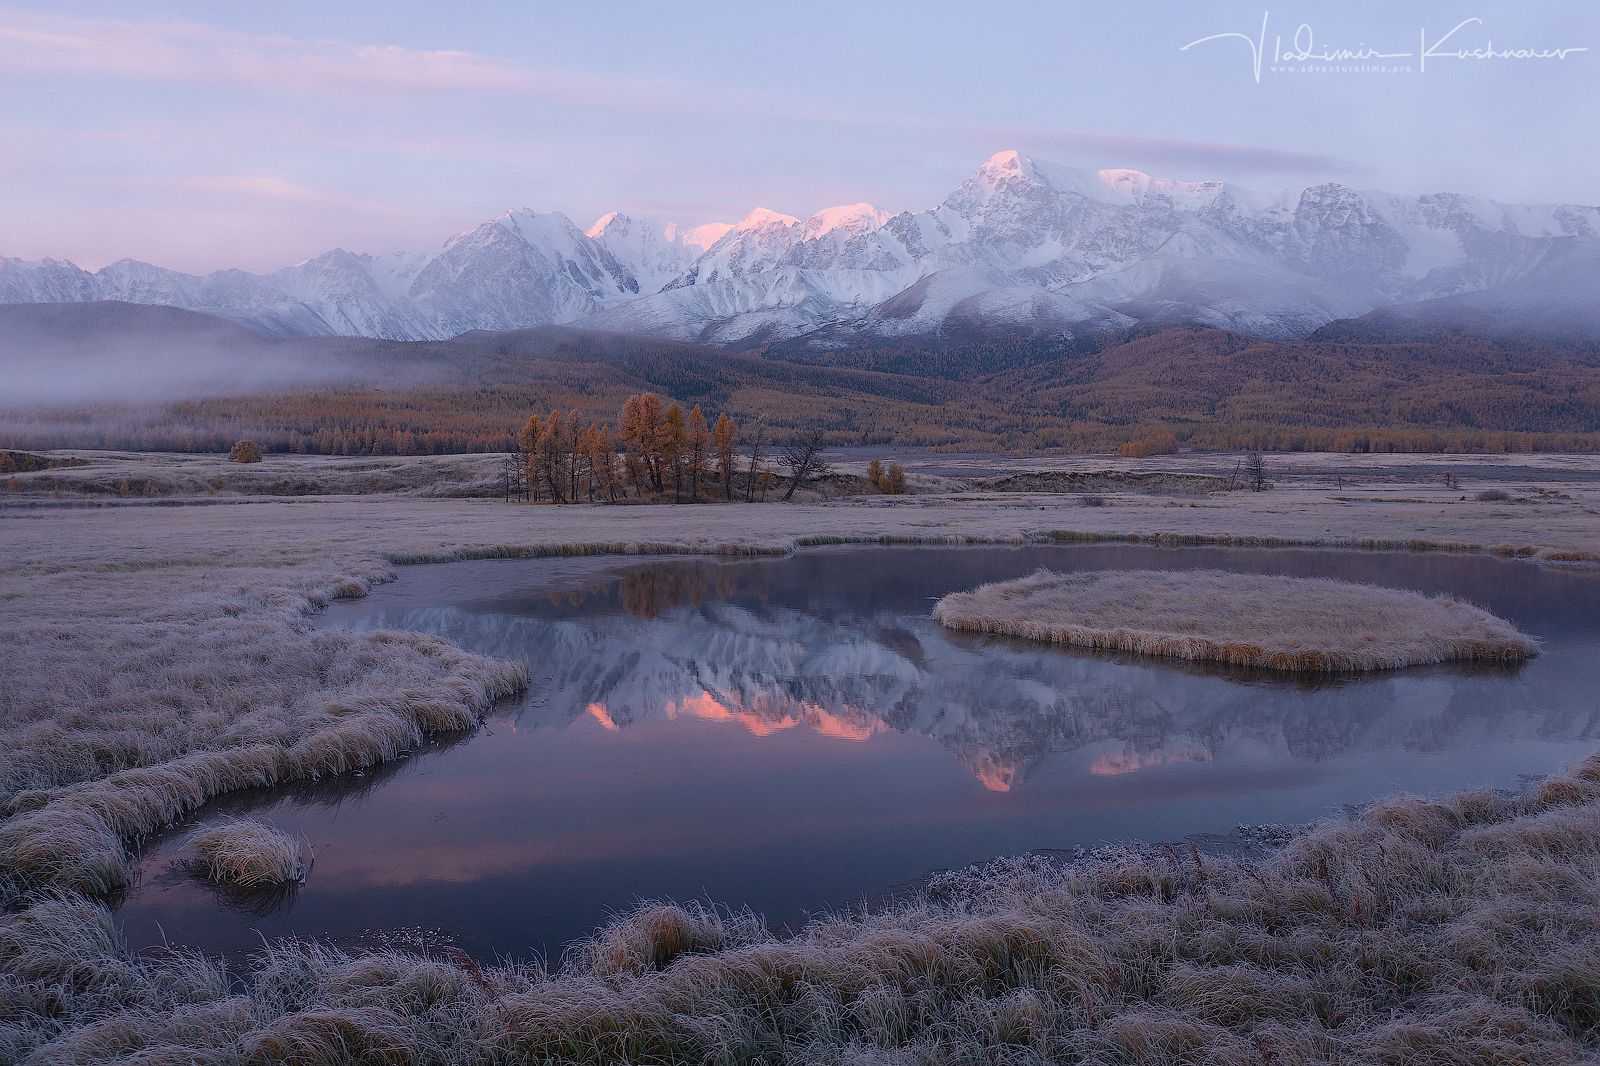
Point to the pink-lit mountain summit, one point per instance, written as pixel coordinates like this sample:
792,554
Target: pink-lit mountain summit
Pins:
1020,244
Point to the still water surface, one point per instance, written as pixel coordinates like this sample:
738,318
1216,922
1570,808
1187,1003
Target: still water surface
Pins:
793,734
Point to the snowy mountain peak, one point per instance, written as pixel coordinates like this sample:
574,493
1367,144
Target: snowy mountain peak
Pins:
1020,244
1009,161
1012,171
605,221
614,224
703,237
849,220
761,218
533,225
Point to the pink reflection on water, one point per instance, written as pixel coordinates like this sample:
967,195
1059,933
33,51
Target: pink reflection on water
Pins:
598,712
769,714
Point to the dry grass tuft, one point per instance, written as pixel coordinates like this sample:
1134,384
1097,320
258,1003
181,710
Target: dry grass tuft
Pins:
245,853
655,935
1279,623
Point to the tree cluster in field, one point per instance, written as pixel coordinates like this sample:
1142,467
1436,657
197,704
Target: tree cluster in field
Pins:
245,451
890,481
655,451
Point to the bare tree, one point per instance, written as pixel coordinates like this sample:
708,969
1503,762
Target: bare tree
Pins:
722,441
758,444
1255,468
804,460
514,473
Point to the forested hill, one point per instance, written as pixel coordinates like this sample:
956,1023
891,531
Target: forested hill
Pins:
1220,389
118,375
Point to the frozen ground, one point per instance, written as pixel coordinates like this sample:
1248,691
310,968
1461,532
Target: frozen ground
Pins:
107,475
160,655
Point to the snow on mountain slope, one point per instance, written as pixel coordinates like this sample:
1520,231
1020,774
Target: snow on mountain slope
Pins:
1553,298
840,224
524,268
25,281
652,253
755,243
738,310
246,298
1020,244
352,295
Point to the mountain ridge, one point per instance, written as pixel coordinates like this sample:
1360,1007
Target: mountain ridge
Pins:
1021,243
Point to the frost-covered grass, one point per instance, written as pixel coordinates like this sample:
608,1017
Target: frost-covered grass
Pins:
1453,931
1262,620
135,695
245,854
158,657
115,475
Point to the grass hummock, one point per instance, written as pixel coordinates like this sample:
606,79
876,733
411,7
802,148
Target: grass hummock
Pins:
1258,620
243,853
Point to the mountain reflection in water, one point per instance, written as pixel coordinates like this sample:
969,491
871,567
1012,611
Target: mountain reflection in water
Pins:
793,733
711,640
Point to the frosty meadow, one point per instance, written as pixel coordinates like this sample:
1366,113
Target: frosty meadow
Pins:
1015,534
199,614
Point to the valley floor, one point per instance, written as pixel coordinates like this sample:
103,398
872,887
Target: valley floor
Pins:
159,655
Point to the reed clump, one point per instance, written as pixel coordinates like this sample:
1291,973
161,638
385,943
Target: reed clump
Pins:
1257,620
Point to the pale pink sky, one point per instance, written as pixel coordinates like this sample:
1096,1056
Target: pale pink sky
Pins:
199,136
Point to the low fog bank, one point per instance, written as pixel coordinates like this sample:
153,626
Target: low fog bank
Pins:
55,356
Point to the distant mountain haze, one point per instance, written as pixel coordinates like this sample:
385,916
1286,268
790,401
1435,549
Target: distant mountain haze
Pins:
1020,245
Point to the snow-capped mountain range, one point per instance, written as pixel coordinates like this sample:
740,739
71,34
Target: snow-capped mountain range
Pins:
1021,243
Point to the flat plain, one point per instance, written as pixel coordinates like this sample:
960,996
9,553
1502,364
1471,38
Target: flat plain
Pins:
161,654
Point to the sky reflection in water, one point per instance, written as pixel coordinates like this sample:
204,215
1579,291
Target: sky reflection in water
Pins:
795,733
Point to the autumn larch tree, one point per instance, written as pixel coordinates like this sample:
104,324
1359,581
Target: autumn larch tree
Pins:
697,443
875,475
603,462
528,447
572,448
723,436
631,435
670,436
894,482
245,451
641,436
552,455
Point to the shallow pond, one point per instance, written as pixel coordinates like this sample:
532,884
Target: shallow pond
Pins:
795,733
